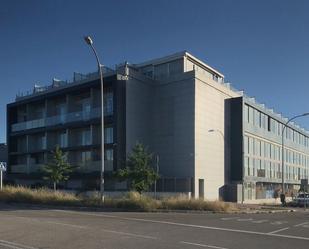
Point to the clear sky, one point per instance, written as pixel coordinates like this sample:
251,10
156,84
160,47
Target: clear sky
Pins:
260,46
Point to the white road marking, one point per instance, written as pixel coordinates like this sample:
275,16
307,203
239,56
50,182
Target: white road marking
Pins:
129,234
259,221
304,223
66,224
279,230
105,230
246,219
230,218
15,245
278,222
202,245
10,246
184,225
86,227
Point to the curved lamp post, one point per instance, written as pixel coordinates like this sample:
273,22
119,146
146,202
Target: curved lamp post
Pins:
89,41
282,149
220,132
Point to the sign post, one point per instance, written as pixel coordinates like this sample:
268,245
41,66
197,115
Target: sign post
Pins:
2,168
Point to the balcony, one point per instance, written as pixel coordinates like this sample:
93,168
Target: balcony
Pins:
56,120
26,169
83,167
94,166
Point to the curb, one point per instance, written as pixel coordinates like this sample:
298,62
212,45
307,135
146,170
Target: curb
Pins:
3,205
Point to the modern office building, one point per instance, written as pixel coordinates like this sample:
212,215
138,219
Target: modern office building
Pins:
205,133
256,158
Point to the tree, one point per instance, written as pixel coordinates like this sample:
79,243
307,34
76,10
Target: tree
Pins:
138,170
59,169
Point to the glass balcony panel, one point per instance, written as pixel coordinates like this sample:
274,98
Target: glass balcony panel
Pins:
26,169
60,119
94,166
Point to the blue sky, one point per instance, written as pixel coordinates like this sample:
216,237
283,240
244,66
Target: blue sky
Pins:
261,47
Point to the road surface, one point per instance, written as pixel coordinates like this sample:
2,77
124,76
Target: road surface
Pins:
22,228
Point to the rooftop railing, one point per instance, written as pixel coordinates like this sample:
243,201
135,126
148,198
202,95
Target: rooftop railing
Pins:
77,77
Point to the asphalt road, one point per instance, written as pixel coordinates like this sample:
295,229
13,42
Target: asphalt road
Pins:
45,228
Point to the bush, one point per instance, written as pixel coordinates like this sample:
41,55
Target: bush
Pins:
133,201
37,196
197,204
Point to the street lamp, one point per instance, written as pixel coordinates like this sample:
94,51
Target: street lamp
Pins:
282,149
220,132
89,41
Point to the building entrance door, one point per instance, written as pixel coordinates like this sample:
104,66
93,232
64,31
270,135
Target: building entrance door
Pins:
201,188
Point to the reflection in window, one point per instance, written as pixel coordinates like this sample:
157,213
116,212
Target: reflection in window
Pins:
108,135
86,138
109,155
108,103
86,156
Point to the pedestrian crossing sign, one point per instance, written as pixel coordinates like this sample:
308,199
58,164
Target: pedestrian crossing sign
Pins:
2,166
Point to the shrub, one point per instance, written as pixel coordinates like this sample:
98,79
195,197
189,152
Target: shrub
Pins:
37,196
133,201
197,204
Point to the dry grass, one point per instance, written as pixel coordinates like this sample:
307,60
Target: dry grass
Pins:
197,204
131,202
134,201
37,196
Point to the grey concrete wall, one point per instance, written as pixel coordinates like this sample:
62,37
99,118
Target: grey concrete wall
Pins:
160,114
139,97
173,126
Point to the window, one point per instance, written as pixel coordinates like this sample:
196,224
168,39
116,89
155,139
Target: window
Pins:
251,145
246,145
86,138
258,151
86,156
86,107
109,155
264,121
251,166
63,139
274,126
246,113
108,103
251,117
260,119
246,165
255,117
108,135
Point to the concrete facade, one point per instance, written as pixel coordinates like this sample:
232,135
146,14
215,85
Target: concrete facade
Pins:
210,148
